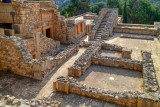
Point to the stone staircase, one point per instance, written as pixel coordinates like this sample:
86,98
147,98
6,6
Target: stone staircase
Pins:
102,25
105,28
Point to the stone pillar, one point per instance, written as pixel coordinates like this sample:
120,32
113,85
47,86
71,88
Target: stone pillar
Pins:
2,32
61,84
18,28
37,46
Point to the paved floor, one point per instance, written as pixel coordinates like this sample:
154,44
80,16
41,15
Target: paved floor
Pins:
135,44
112,78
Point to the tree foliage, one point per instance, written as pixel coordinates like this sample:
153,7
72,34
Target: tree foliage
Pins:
133,11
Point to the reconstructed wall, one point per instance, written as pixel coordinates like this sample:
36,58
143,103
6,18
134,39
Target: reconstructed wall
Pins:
136,25
126,98
16,58
5,9
136,30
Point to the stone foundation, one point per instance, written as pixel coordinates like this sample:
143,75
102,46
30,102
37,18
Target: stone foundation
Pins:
117,62
126,98
83,63
126,53
149,74
15,102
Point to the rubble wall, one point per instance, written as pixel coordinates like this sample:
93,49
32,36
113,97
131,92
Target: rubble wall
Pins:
126,98
84,61
149,73
15,56
117,62
48,46
126,53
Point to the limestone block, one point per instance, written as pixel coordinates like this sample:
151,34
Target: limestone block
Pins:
2,32
9,32
62,87
74,89
18,28
74,72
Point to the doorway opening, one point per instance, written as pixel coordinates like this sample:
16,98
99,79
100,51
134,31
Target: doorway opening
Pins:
48,33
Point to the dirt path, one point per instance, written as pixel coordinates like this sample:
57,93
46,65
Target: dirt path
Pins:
61,71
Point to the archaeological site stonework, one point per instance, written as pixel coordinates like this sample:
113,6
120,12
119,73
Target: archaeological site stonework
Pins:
88,55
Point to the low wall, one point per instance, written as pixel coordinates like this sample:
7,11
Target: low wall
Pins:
12,101
117,62
136,25
136,30
149,73
84,61
126,98
126,53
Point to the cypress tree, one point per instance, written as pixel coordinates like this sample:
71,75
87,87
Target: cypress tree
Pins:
125,13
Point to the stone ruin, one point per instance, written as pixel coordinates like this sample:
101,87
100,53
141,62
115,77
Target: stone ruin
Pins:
40,40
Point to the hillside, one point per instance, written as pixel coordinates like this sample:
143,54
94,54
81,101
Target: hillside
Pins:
62,3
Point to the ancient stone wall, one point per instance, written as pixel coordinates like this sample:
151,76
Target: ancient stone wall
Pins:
16,57
126,53
5,9
149,74
136,30
136,25
126,98
44,4
48,46
84,61
117,62
31,45
15,102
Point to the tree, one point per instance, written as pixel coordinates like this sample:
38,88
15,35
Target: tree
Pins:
125,13
115,4
95,8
